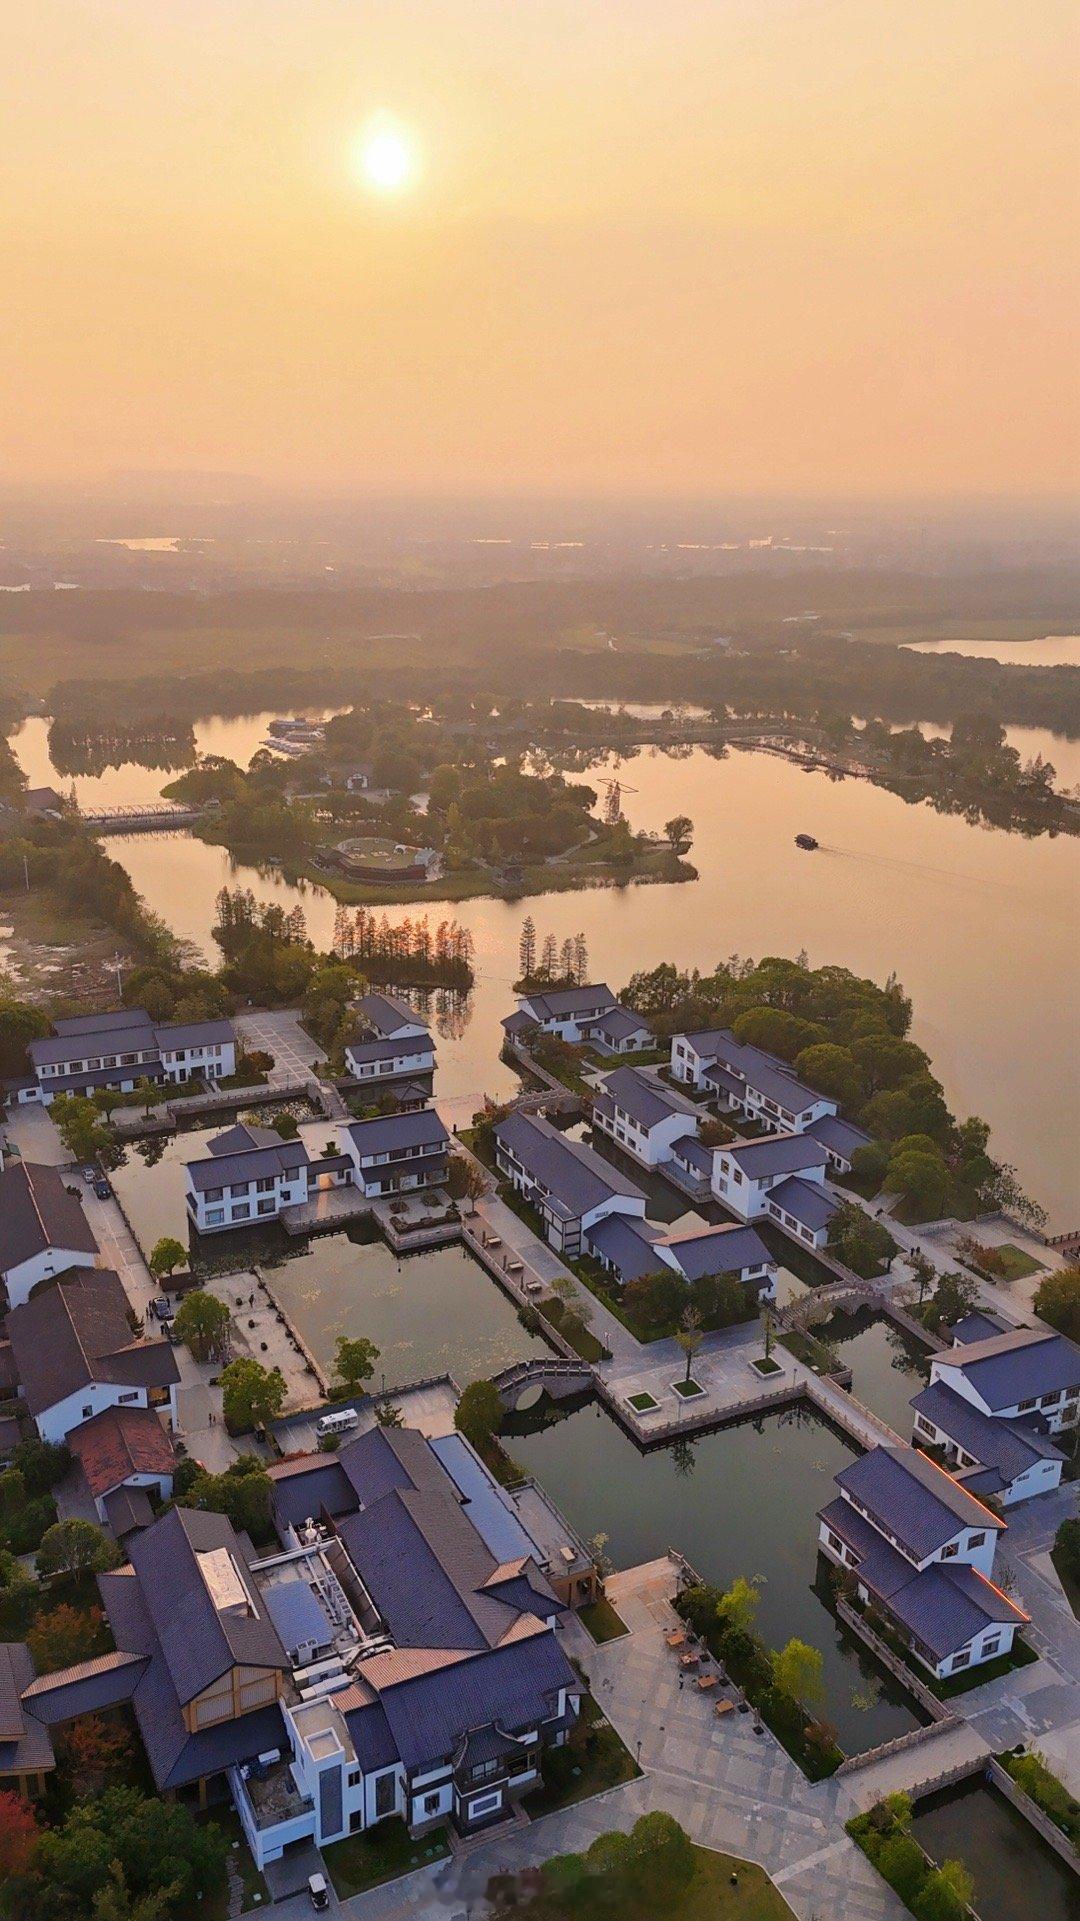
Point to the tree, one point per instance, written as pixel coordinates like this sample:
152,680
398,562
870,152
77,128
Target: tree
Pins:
797,1669
922,1272
64,1636
832,1070
777,1030
286,1125
75,1547
655,1300
242,1493
80,1125
251,1394
1067,1548
464,1179
354,1362
859,1240
689,1335
18,1834
479,1413
738,1605
527,949
946,1893
165,1255
19,1025
923,1179
41,1463
147,1092
115,1902
96,1748
954,1296
680,832
201,1321
159,1847
1057,1301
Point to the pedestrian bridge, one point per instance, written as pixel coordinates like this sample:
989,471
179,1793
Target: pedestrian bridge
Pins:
526,1380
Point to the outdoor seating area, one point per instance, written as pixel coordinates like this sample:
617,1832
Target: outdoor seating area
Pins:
697,1663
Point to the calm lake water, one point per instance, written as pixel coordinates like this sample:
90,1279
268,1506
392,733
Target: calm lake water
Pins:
1017,1876
887,1366
1055,650
742,1500
432,1313
981,925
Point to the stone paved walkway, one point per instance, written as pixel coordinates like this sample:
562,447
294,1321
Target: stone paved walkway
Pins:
731,1789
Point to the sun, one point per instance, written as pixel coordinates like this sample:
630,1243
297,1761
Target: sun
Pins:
386,156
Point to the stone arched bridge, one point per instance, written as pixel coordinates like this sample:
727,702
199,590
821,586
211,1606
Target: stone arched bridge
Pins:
560,1379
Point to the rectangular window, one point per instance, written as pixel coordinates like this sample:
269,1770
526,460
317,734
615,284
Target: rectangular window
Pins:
950,1553
215,1216
241,1211
991,1647
386,1796
961,1660
977,1540
266,1207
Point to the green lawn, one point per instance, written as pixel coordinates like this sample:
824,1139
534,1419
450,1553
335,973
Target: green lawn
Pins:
1015,1264
1021,1657
602,1621
387,1851
722,1888
1068,1580
578,1770
215,1905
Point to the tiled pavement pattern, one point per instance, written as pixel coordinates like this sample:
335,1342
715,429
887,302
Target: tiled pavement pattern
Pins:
731,1789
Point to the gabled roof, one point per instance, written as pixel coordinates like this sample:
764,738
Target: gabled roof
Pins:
391,1047
246,1154
562,1003
1014,1367
806,1201
38,1213
387,1013
175,1562
777,1154
618,1024
718,1250
914,1500
1010,1446
689,1149
77,1331
391,1133
25,1745
979,1326
644,1097
842,1137
575,1176
628,1244
119,1442
129,1030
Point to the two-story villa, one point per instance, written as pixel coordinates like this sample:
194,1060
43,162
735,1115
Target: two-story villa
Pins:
781,1179
43,1230
747,1081
920,1548
993,1405
579,1014
570,1185
122,1048
393,1044
75,1354
642,1115
249,1175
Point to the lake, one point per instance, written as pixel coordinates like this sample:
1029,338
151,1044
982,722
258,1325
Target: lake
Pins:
741,1500
980,925
1055,650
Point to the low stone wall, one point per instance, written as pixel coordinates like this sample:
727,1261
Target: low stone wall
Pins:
1032,1812
899,1669
914,1738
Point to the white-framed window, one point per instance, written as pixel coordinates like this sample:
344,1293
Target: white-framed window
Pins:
215,1216
484,1804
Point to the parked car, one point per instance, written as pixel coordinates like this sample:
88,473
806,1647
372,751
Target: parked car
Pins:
89,1174
102,1188
318,1893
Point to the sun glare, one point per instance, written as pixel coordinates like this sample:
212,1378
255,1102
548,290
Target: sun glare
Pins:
386,157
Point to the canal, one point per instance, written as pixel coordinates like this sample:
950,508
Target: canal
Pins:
1017,1875
740,1500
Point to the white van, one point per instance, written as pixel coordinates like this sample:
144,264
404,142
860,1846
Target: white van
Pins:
342,1423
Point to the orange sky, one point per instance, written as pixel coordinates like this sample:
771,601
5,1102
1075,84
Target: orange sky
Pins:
684,246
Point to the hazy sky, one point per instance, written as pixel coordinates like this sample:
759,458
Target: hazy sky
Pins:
650,245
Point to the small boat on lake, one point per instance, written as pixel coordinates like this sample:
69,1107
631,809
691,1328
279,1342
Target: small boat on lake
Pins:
807,841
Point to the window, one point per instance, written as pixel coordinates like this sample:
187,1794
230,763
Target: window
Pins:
266,1207
1026,1406
215,1193
87,1411
215,1216
241,1211
977,1540
485,1804
431,1804
128,1400
991,1647
355,1776
950,1553
961,1660
924,1426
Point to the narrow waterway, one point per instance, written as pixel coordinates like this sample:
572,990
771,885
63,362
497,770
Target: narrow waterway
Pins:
742,1500
982,926
1017,1876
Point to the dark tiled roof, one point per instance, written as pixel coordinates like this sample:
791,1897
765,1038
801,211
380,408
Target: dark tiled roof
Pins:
25,1745
303,1488
77,1331
518,1023
386,1013
254,1163
118,1442
391,1049
627,1243
172,1035
127,1508
84,1688
563,1003
690,1150
777,1154
1018,1366
979,1327
618,1024
110,1023
842,1137
917,1502
946,1606
517,1684
1010,1446
394,1132
198,1641
722,1250
36,1213
806,1201
644,1098
574,1174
